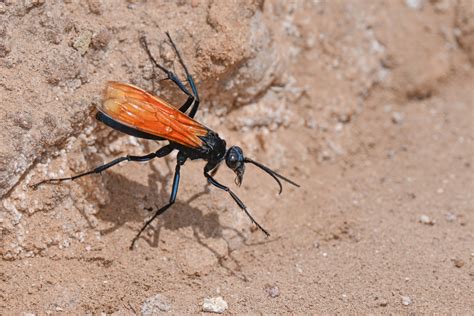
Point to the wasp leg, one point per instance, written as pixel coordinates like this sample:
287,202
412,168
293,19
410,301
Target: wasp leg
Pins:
189,78
212,181
174,192
163,151
172,76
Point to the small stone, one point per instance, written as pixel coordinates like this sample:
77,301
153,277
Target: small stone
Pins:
82,42
406,300
272,290
101,40
414,4
155,304
23,120
95,6
29,4
425,219
458,263
383,302
214,305
450,217
397,117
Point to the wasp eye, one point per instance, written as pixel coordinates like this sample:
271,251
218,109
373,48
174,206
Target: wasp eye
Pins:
232,161
234,158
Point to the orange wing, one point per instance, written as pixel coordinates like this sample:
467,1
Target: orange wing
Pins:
145,112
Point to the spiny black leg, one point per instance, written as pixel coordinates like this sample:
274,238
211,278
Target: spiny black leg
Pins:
189,78
160,153
174,192
171,76
212,181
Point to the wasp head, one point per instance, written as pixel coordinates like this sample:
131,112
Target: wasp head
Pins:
234,159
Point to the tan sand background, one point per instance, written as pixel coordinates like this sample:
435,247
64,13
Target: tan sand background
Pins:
367,104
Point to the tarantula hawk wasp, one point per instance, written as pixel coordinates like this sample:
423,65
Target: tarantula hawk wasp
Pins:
135,112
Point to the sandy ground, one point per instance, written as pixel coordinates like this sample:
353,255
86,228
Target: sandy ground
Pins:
367,105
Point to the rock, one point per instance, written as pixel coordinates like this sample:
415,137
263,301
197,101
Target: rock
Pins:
214,305
451,217
155,304
397,117
82,42
406,300
272,290
414,4
425,219
458,263
95,6
101,39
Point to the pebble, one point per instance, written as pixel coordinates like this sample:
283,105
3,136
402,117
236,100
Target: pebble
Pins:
95,6
414,4
425,219
458,263
272,290
450,217
406,300
155,304
383,302
397,117
214,305
82,42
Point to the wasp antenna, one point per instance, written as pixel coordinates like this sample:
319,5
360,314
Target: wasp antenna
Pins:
274,174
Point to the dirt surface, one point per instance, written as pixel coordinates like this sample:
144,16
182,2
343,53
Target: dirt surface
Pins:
368,105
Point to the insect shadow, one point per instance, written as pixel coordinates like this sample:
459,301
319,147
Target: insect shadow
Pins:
126,194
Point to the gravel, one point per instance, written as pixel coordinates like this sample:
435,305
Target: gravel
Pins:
155,304
425,219
272,290
406,300
214,305
458,263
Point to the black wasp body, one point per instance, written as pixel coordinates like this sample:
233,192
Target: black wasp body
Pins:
135,112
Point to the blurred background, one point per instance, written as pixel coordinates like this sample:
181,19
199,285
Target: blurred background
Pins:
368,105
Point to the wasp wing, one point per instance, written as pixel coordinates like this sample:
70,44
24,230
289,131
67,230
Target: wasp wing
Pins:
142,111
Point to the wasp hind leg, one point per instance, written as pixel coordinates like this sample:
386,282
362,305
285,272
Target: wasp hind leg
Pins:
163,151
192,97
174,192
189,78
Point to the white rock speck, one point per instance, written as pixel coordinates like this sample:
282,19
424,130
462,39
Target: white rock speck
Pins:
450,217
214,305
425,219
272,290
414,4
155,304
406,300
397,117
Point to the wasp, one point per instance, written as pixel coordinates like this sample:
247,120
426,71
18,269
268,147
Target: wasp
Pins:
135,112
